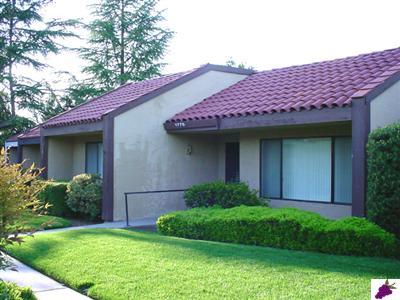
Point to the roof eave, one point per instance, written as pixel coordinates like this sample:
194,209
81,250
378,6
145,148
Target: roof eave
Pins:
314,116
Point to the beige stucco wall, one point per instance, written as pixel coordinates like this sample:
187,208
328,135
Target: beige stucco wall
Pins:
250,160
385,109
59,159
147,158
31,155
67,154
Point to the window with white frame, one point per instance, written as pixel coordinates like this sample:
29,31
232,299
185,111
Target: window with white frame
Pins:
307,169
94,158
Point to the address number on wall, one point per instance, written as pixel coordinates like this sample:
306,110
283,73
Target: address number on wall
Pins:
180,124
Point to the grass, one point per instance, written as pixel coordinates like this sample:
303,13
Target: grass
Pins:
40,222
126,264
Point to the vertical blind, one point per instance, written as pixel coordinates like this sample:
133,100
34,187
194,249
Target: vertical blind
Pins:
306,169
301,169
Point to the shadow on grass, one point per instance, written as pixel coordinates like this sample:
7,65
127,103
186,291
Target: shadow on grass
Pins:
367,267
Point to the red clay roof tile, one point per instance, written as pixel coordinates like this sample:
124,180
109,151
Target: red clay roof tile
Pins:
313,86
93,110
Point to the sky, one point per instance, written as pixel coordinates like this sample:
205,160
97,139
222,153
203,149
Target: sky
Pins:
263,34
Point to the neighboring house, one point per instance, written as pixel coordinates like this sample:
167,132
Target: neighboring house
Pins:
296,134
25,147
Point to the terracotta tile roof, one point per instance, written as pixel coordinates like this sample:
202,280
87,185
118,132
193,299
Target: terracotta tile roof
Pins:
93,110
314,86
30,133
13,138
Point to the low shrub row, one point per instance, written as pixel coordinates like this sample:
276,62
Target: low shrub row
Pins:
81,197
286,228
223,194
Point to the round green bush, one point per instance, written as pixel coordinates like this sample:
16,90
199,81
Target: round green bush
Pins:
11,291
222,194
84,194
383,194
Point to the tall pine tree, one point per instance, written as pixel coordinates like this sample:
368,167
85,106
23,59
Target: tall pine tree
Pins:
24,38
127,43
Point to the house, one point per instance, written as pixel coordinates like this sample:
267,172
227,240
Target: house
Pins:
25,147
296,134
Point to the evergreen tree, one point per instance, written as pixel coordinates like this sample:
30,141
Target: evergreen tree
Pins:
24,38
127,43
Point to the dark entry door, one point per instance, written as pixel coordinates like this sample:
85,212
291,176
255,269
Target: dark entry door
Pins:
232,162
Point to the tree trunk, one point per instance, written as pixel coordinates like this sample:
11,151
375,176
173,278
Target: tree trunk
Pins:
122,42
10,62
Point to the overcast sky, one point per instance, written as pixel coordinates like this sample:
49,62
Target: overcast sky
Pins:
264,34
261,33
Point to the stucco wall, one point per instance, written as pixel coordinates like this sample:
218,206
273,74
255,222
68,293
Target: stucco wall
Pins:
31,155
250,160
147,158
385,109
59,159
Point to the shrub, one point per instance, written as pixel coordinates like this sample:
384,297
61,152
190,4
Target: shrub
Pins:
55,194
383,196
84,195
287,228
18,195
11,291
223,194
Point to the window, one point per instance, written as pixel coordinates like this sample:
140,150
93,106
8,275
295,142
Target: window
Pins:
94,158
343,174
307,169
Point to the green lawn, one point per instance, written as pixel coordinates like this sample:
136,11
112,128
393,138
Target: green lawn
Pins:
124,264
39,222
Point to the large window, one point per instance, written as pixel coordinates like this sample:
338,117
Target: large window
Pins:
94,158
308,169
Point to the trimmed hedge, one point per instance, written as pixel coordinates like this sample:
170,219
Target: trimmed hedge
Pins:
55,194
287,228
220,193
11,291
383,196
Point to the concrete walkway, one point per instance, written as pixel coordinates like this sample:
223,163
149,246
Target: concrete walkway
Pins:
46,288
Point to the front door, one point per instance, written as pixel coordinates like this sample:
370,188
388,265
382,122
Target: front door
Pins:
232,162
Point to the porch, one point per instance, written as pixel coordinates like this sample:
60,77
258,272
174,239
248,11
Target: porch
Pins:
303,166
70,155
